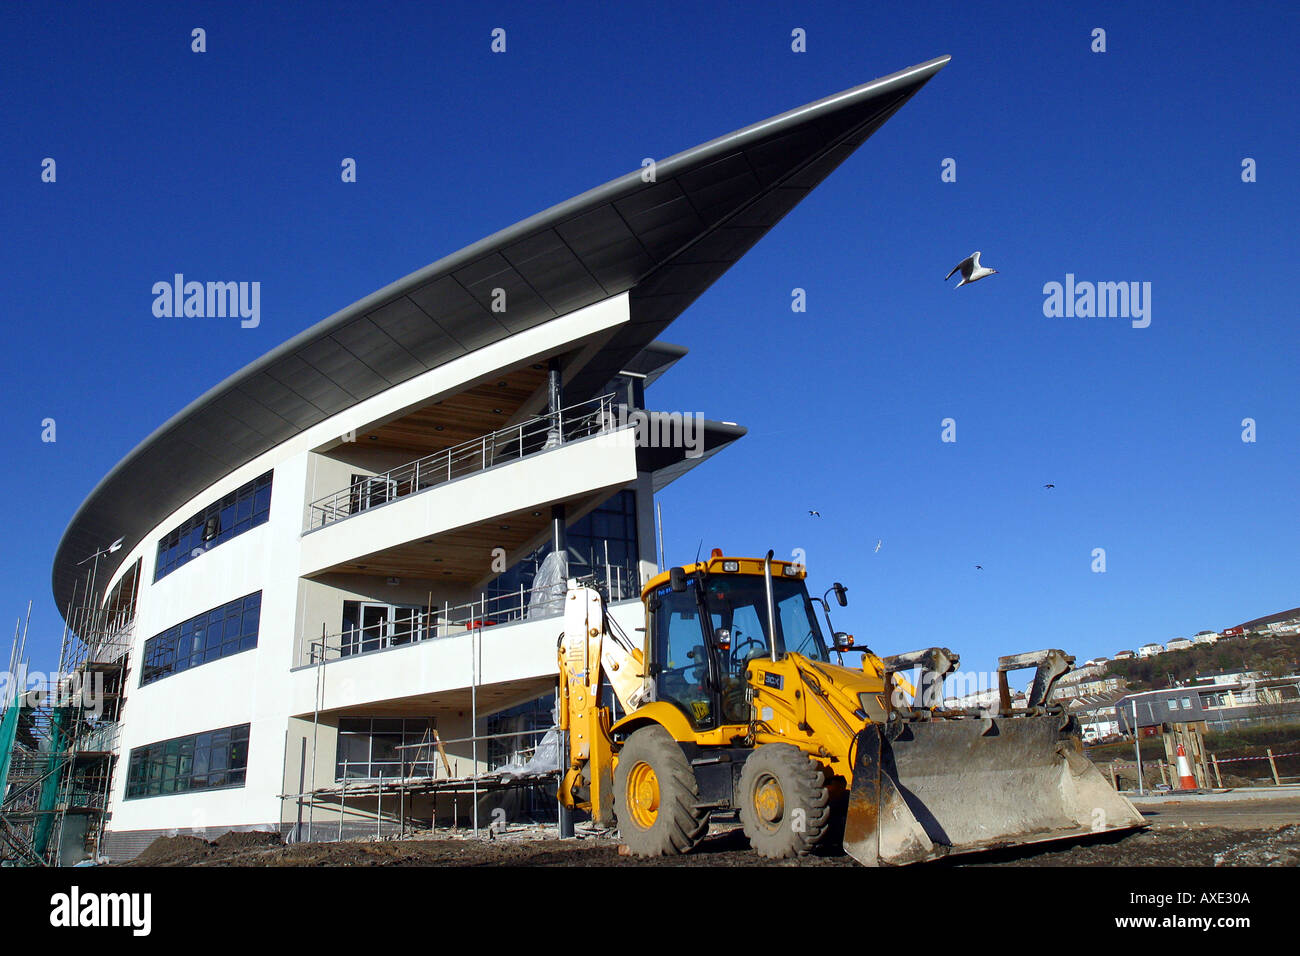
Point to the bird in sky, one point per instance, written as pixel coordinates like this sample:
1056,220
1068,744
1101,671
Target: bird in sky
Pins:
815,514
979,567
971,270
877,544
1049,485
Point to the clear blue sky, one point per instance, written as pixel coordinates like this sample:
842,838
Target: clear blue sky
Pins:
1115,166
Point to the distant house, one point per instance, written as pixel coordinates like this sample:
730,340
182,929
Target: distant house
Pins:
1217,701
1283,622
1079,674
1154,708
1150,650
1124,655
983,698
1097,662
1178,644
1088,688
1205,637
1232,677
1098,725
1096,712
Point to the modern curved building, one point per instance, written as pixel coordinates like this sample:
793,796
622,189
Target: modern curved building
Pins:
343,548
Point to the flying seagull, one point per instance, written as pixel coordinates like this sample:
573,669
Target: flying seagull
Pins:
1049,485
815,514
971,270
979,567
877,544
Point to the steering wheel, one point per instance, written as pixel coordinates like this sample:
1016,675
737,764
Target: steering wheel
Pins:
736,650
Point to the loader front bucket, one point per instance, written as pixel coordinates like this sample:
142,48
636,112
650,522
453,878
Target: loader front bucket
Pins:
950,786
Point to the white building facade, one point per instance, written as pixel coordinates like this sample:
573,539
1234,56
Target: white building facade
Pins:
350,546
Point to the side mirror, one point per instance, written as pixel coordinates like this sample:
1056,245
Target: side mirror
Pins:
843,641
677,577
841,594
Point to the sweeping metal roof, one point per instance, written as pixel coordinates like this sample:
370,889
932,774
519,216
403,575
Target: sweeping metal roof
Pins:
663,242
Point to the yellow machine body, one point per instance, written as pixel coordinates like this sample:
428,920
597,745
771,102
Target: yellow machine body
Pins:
741,722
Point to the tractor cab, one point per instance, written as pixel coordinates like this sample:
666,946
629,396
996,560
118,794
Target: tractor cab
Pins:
709,621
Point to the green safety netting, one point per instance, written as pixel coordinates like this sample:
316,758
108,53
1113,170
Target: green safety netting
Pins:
50,785
8,733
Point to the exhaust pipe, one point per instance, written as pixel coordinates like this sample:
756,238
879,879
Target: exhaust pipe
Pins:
771,604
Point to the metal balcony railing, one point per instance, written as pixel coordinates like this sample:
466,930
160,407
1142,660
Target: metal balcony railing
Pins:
619,583
478,454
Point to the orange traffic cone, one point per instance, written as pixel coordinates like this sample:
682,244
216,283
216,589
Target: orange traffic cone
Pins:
1185,779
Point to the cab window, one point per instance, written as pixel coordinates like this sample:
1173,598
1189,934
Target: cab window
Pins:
739,604
682,672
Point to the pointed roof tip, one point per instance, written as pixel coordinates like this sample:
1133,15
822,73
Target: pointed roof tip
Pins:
907,80
933,65
921,72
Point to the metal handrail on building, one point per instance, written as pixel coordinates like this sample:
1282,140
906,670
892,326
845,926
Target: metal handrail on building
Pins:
478,454
620,583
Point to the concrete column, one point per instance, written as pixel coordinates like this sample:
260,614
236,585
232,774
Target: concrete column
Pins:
554,402
647,552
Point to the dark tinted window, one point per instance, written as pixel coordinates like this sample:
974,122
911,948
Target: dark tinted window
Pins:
218,758
209,636
370,747
220,521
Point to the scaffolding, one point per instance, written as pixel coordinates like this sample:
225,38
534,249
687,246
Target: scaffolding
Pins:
60,737
424,770
363,801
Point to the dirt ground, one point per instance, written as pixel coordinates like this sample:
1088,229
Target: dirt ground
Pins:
1179,833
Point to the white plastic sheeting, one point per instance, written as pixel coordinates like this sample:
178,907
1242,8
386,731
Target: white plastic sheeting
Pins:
547,599
545,758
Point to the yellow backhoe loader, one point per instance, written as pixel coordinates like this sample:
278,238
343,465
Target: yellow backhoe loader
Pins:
730,701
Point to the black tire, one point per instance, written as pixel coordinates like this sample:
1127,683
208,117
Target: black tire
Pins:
784,802
651,760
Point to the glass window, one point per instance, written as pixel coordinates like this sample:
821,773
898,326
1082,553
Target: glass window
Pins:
209,636
371,747
743,599
681,669
612,525
370,626
183,764
234,514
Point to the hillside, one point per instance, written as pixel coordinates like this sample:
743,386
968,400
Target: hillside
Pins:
1272,655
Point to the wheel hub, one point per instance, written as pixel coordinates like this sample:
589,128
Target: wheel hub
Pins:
643,795
769,801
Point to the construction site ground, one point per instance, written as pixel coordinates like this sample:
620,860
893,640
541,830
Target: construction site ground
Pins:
1235,829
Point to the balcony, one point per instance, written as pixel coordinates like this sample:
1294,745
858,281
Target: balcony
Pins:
440,622
533,437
